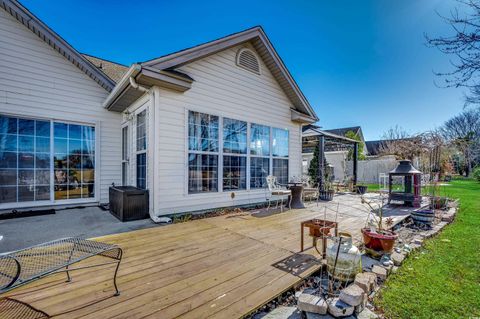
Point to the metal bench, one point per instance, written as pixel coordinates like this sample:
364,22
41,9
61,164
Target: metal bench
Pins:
26,265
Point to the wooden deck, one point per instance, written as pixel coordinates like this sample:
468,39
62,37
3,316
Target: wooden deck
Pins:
222,267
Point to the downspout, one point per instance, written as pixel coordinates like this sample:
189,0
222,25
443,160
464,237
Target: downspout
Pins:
151,92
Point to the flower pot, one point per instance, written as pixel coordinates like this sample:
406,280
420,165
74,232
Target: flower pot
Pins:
361,189
423,216
326,195
381,243
320,229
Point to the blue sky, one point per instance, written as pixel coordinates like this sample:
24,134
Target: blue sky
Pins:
358,62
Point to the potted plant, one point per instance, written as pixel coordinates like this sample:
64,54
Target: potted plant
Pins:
327,191
377,240
361,188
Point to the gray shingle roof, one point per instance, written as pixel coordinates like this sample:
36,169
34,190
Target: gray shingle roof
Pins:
342,131
113,70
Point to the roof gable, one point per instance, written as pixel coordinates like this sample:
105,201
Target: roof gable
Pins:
262,45
25,17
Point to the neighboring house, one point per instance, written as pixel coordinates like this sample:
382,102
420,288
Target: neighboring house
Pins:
192,127
374,148
343,131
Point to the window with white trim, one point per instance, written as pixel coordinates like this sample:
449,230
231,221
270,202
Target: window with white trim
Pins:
244,155
203,152
142,149
234,166
280,155
259,155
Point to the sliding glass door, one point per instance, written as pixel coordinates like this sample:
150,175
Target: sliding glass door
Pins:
44,160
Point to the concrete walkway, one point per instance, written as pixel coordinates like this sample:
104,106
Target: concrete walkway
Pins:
85,222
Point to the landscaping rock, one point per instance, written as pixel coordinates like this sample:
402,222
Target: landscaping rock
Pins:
381,272
394,269
311,315
311,303
367,314
418,240
368,262
338,308
364,282
397,258
389,268
367,281
284,313
352,295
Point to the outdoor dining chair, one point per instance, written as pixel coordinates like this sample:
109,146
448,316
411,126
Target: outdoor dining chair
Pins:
275,189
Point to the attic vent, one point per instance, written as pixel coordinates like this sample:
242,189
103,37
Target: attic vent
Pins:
248,60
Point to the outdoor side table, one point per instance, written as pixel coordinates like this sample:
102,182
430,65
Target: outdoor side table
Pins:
318,229
297,190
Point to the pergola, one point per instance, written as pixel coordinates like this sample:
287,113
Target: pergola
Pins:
328,142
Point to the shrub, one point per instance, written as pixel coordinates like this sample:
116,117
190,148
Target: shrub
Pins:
476,173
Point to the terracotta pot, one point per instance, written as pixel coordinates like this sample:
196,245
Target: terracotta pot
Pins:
321,231
379,242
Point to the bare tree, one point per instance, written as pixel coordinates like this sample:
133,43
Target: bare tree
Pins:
463,131
396,141
464,48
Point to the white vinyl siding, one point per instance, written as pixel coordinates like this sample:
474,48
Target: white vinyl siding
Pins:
223,89
38,82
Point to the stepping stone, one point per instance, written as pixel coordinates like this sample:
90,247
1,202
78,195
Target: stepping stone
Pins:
397,258
338,308
284,313
380,272
352,295
312,303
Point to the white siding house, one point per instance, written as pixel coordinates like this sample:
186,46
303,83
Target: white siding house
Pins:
200,128
39,83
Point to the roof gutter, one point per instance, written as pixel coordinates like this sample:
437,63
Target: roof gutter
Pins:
122,85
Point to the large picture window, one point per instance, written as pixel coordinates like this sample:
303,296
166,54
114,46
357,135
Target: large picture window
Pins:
27,149
243,154
203,150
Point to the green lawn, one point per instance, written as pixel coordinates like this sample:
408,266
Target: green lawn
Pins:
443,279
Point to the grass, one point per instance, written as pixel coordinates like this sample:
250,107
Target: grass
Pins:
443,279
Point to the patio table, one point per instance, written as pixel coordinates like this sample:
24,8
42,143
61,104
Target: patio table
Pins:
297,190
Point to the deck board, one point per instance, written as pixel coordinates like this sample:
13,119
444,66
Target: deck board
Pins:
221,267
